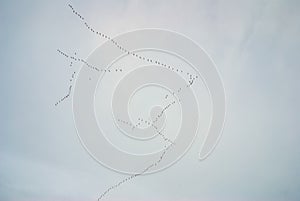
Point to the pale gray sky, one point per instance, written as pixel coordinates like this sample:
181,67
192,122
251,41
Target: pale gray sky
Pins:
255,45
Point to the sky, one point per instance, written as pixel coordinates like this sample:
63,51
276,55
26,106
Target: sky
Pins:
255,45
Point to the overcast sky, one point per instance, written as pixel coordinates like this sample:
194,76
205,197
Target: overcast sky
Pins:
255,45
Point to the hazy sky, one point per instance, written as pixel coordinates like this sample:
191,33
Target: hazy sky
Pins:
255,45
